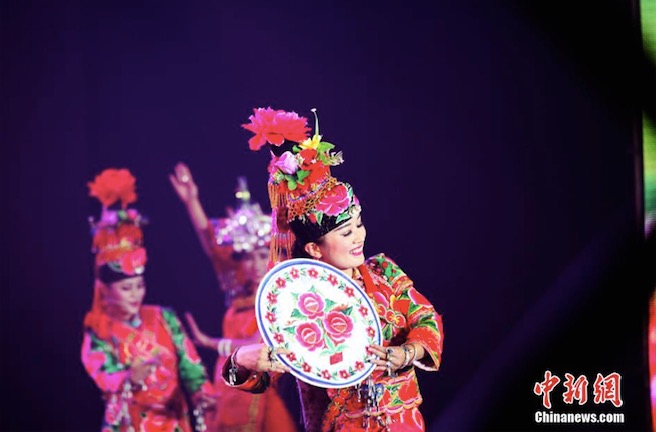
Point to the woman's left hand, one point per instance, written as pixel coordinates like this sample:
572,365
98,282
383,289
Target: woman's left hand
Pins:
388,358
183,183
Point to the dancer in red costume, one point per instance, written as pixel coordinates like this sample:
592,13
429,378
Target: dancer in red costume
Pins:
238,246
138,355
316,216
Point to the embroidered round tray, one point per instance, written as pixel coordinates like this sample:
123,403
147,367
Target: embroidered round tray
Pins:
323,317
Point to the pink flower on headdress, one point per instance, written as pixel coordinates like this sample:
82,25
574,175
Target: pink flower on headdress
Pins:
335,201
109,217
133,262
274,127
112,185
286,163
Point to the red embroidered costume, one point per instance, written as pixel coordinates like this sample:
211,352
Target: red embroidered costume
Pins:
308,203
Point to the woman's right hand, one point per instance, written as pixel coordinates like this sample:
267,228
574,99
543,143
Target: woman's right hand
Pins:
183,183
140,370
197,336
261,358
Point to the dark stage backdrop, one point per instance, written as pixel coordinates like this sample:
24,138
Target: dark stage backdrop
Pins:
491,146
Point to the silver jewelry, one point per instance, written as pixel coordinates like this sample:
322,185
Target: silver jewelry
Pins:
184,178
199,416
224,347
406,353
234,368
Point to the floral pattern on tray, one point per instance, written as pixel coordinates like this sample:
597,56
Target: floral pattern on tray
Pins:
323,317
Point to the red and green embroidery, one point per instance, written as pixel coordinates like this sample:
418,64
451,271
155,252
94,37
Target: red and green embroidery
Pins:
191,370
405,315
107,362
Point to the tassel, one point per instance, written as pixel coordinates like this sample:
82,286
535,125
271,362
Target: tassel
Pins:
282,238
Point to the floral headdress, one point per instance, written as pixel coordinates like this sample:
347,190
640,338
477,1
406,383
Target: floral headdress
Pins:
117,236
306,200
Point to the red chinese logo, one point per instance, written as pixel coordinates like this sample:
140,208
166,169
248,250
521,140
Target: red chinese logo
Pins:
545,387
576,390
605,389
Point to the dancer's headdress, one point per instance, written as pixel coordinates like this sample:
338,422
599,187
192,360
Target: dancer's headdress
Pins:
246,228
117,240
117,235
243,230
306,200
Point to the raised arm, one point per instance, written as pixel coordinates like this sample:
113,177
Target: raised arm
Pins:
187,190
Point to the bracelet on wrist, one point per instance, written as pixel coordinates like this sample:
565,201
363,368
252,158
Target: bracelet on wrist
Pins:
410,353
234,368
406,353
224,346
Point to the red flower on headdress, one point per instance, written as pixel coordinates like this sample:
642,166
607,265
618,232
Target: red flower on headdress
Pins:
112,185
309,157
133,262
104,238
120,245
274,127
335,201
116,231
130,233
316,168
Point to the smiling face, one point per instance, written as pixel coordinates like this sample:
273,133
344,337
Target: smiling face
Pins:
341,247
124,297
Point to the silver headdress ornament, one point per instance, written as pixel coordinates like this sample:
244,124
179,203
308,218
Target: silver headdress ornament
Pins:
246,228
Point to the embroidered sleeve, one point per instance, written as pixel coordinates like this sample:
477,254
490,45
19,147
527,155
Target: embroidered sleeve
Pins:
190,368
424,324
101,363
387,268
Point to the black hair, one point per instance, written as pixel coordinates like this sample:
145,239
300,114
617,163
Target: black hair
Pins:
298,249
107,275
